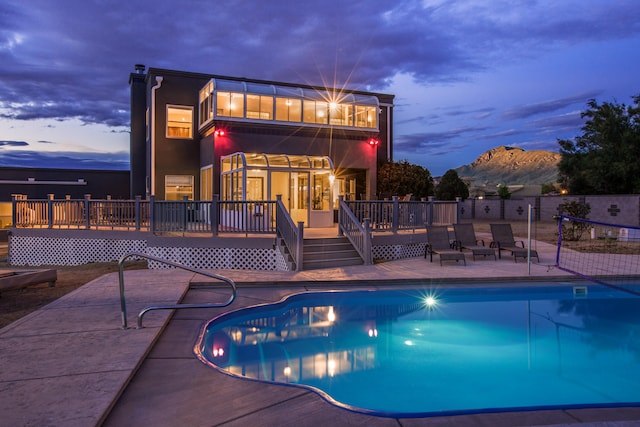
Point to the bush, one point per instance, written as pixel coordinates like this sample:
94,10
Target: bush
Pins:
574,230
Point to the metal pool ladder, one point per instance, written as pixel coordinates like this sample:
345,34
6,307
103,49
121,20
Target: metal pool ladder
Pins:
123,304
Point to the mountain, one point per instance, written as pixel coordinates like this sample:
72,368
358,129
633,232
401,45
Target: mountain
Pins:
512,166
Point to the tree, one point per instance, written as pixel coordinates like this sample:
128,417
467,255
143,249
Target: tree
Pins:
401,178
451,186
503,192
604,159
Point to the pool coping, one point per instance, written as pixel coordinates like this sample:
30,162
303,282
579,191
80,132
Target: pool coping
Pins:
70,363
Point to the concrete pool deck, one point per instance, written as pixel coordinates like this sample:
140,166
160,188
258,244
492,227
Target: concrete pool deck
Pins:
71,364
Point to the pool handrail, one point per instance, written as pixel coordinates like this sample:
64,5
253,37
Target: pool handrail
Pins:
123,304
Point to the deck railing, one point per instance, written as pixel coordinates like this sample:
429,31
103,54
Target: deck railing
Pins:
217,216
292,236
358,233
81,214
395,215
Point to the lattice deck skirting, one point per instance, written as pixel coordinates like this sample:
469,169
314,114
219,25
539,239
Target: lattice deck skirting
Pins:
39,251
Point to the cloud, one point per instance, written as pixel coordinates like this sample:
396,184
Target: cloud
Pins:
13,143
431,140
525,111
61,65
66,160
559,124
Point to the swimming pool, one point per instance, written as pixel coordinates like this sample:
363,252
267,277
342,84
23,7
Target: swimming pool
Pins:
420,352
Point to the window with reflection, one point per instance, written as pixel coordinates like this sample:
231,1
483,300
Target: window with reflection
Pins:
206,104
321,192
177,187
341,114
259,107
179,122
288,109
316,112
230,104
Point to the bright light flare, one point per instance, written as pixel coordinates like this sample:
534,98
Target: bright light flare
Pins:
331,316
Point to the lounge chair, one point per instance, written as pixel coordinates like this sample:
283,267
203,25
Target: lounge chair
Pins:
438,243
466,239
503,240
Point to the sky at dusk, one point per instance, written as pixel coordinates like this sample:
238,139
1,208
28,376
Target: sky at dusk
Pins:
468,75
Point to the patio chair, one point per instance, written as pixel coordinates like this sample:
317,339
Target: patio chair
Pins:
503,240
465,237
438,243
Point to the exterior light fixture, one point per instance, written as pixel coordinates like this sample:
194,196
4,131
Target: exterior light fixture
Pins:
374,141
220,132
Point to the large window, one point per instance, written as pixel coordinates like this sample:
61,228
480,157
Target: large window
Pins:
321,192
206,104
366,117
316,112
206,183
341,114
230,104
179,122
288,109
221,98
177,187
259,107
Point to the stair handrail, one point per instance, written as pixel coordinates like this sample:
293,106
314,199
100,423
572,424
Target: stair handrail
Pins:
291,235
123,303
358,234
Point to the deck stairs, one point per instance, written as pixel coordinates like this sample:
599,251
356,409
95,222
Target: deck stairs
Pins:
326,252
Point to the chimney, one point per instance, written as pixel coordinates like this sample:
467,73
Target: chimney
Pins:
140,68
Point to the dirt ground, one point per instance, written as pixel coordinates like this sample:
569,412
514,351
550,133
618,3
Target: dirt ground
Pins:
16,303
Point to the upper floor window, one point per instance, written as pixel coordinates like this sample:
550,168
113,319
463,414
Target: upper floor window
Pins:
288,109
206,104
316,112
241,100
259,107
230,104
341,114
366,117
179,122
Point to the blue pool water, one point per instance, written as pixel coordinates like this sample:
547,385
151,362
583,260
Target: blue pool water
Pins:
419,352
